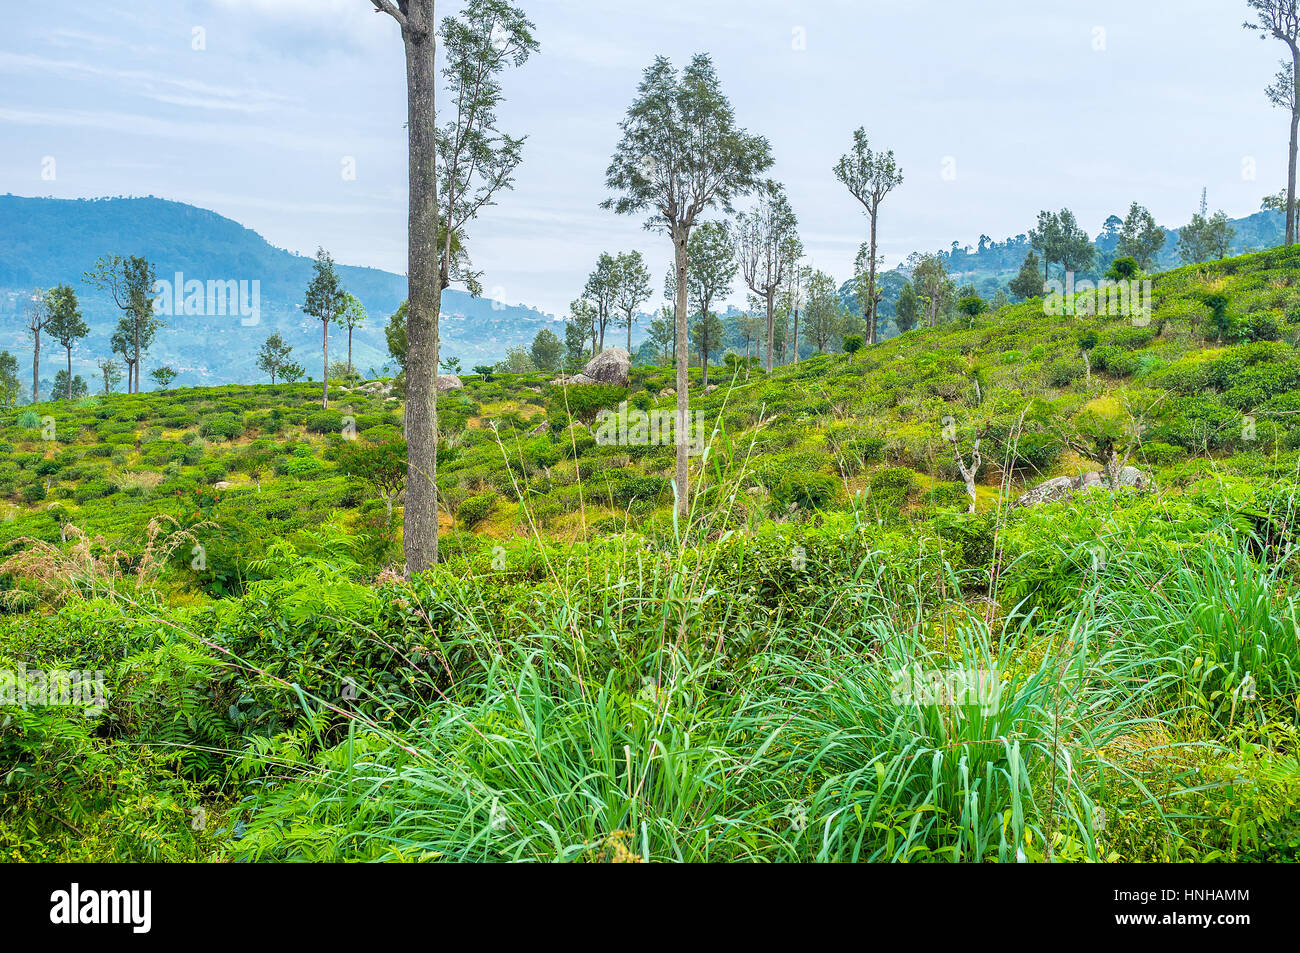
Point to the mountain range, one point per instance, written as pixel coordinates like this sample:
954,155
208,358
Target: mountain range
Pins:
44,242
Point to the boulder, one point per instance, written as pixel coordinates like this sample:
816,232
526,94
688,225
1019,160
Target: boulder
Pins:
448,382
1054,489
223,485
1061,487
564,380
610,366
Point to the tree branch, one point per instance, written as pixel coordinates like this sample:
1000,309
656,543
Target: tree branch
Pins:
387,6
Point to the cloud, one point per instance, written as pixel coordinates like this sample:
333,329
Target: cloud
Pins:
150,85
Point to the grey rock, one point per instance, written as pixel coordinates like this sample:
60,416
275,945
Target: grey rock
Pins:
610,366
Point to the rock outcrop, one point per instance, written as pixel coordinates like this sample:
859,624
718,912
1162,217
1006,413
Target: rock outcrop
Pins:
448,382
1061,487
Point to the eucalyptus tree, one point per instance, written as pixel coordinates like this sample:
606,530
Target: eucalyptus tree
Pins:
352,318
1140,238
119,344
680,155
65,323
275,354
710,275
130,283
325,302
470,162
825,315
1280,19
631,289
601,292
767,245
112,371
792,298
35,316
869,176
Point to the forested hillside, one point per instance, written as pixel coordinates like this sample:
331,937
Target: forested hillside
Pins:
762,674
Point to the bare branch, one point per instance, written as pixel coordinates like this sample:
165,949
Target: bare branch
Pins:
387,6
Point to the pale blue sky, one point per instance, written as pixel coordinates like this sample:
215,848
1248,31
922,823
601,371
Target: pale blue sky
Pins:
1037,103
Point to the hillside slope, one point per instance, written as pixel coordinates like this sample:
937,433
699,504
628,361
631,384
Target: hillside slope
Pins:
44,242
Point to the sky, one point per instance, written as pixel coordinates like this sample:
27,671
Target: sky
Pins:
261,109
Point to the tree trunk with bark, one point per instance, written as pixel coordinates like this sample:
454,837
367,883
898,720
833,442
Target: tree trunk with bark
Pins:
871,279
420,532
680,236
325,378
771,329
1295,143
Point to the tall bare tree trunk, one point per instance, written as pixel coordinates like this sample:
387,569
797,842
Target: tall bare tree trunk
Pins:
1295,143
771,329
794,352
325,385
349,349
871,280
36,369
69,373
683,377
420,533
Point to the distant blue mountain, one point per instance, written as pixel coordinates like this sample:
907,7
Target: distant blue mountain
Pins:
44,242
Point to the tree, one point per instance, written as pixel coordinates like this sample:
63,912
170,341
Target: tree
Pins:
381,466
1205,238
292,373
353,317
120,344
600,292
972,305
112,372
908,308
274,355
1047,238
1076,252
35,315
933,284
680,155
660,334
65,324
869,177
163,376
577,329
1107,432
73,388
707,335
130,283
767,244
792,300
631,289
968,470
710,273
1027,284
395,335
825,313
1280,19
1140,238
547,352
476,161
325,302
476,93
1087,342
10,388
